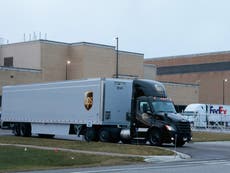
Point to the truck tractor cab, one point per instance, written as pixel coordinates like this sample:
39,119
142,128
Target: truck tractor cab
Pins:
155,115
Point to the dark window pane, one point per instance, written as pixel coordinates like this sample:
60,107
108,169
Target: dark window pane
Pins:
193,68
8,62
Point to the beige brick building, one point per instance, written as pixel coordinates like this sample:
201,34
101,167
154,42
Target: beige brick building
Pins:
209,71
87,60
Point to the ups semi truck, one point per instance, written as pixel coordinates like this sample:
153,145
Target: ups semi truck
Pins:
109,110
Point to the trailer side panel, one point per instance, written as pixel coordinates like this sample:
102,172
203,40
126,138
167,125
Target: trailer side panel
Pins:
76,102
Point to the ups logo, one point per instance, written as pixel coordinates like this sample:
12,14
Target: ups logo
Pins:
88,100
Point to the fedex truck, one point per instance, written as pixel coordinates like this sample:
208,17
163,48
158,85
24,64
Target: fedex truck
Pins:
109,110
204,115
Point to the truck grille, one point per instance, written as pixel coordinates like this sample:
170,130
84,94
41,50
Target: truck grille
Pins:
183,127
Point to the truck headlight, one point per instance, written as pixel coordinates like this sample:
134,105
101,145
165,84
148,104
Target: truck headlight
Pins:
170,128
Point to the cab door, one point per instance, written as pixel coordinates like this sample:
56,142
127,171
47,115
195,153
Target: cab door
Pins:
144,115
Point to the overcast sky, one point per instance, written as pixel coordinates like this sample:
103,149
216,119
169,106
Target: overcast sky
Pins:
155,28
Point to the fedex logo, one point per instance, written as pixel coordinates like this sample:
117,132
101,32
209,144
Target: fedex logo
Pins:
220,110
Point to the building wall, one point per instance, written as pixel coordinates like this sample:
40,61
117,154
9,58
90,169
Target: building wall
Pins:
18,76
211,85
95,60
150,71
207,70
25,55
88,60
54,60
190,59
75,68
92,60
131,64
182,94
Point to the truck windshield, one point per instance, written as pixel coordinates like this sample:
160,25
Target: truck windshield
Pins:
163,106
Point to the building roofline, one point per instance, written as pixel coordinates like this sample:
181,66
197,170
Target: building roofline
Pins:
188,56
92,44
36,41
104,46
75,44
133,53
19,69
53,42
150,65
181,84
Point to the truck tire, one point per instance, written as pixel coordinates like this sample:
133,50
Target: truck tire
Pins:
49,136
25,129
126,141
90,134
179,143
16,129
115,135
104,135
155,137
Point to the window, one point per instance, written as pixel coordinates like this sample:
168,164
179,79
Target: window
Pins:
8,62
0,101
163,106
144,107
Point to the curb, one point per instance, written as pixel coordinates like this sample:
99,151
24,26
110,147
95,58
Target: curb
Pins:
177,157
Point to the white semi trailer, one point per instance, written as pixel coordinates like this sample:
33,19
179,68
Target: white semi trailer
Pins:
204,115
108,110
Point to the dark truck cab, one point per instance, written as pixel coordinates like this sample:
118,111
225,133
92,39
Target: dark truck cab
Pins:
155,114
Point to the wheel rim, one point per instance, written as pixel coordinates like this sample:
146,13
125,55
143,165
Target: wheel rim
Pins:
104,136
154,138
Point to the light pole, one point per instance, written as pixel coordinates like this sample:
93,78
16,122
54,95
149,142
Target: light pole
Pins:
117,58
66,69
224,81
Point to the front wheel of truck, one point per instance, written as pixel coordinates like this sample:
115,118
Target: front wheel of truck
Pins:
155,137
179,143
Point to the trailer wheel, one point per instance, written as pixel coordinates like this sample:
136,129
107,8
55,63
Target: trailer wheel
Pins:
25,129
104,135
16,129
90,134
155,137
